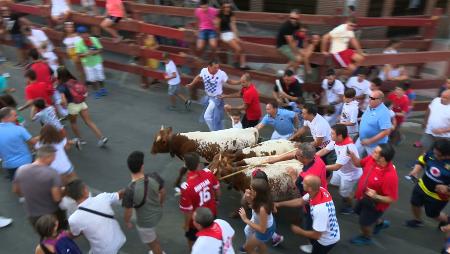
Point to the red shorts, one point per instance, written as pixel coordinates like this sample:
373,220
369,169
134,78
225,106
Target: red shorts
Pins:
344,58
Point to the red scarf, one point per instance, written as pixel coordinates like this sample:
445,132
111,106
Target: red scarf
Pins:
346,141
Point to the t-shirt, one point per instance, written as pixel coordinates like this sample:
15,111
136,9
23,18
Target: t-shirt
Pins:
61,164
348,169
361,88
213,82
115,8
42,70
170,69
225,21
287,28
250,96
320,128
69,42
323,215
35,183
373,121
383,180
316,167
283,123
149,214
38,38
334,92
434,172
206,18
14,25
82,48
14,150
48,116
199,191
41,90
293,89
104,234
3,85
350,114
439,117
215,239
399,105
51,59
340,37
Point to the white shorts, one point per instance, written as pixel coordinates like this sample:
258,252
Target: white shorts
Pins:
362,149
276,135
95,73
147,235
227,36
346,186
59,10
75,108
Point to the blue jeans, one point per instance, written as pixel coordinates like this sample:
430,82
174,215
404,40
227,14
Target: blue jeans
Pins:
213,113
207,34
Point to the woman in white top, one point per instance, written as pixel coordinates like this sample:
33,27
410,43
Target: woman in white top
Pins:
261,226
71,37
49,135
60,10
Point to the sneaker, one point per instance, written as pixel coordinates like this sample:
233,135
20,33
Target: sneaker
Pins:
187,104
361,240
4,222
307,248
383,225
102,142
242,250
346,210
278,239
414,223
97,95
103,91
77,144
82,141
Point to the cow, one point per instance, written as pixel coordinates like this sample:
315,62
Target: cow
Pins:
206,144
281,185
266,148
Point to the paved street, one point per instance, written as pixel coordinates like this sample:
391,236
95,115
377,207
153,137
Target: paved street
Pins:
130,116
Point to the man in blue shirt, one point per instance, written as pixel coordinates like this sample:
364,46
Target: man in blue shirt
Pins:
282,120
375,125
14,142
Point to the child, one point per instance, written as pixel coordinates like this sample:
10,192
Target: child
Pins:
115,12
400,105
349,115
235,116
261,226
172,76
47,115
329,114
150,42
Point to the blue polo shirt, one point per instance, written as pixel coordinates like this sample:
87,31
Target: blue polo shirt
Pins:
283,122
373,121
14,150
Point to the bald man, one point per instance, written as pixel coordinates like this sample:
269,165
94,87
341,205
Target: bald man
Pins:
375,125
324,233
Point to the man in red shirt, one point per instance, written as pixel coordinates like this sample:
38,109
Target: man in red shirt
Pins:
40,67
201,189
377,189
251,104
35,90
400,106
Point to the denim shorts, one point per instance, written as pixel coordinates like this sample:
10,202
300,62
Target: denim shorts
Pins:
173,89
266,236
19,40
207,34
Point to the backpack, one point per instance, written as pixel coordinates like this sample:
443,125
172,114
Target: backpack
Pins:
78,90
64,245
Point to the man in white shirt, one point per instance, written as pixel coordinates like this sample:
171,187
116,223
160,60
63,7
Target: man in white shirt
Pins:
39,39
172,76
437,120
362,88
345,174
319,127
349,115
214,236
213,79
94,218
339,39
325,231
333,92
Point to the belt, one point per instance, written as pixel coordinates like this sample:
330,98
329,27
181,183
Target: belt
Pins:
428,192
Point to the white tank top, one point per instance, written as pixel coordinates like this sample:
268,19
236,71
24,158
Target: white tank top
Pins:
255,219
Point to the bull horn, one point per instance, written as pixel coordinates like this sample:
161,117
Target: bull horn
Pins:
158,138
162,127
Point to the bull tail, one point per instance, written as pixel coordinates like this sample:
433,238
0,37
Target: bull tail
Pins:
183,171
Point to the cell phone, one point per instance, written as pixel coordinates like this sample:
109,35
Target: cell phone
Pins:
412,179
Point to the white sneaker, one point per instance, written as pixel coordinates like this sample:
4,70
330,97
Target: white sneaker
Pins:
307,248
5,221
102,142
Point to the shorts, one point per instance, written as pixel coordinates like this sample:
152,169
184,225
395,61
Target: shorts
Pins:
263,237
207,34
287,51
368,215
344,58
115,20
318,248
346,186
19,40
433,207
95,73
147,235
428,140
173,89
277,136
75,108
59,10
227,36
87,3
362,149
191,234
248,123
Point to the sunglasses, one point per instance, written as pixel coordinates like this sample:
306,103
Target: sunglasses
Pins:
373,98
